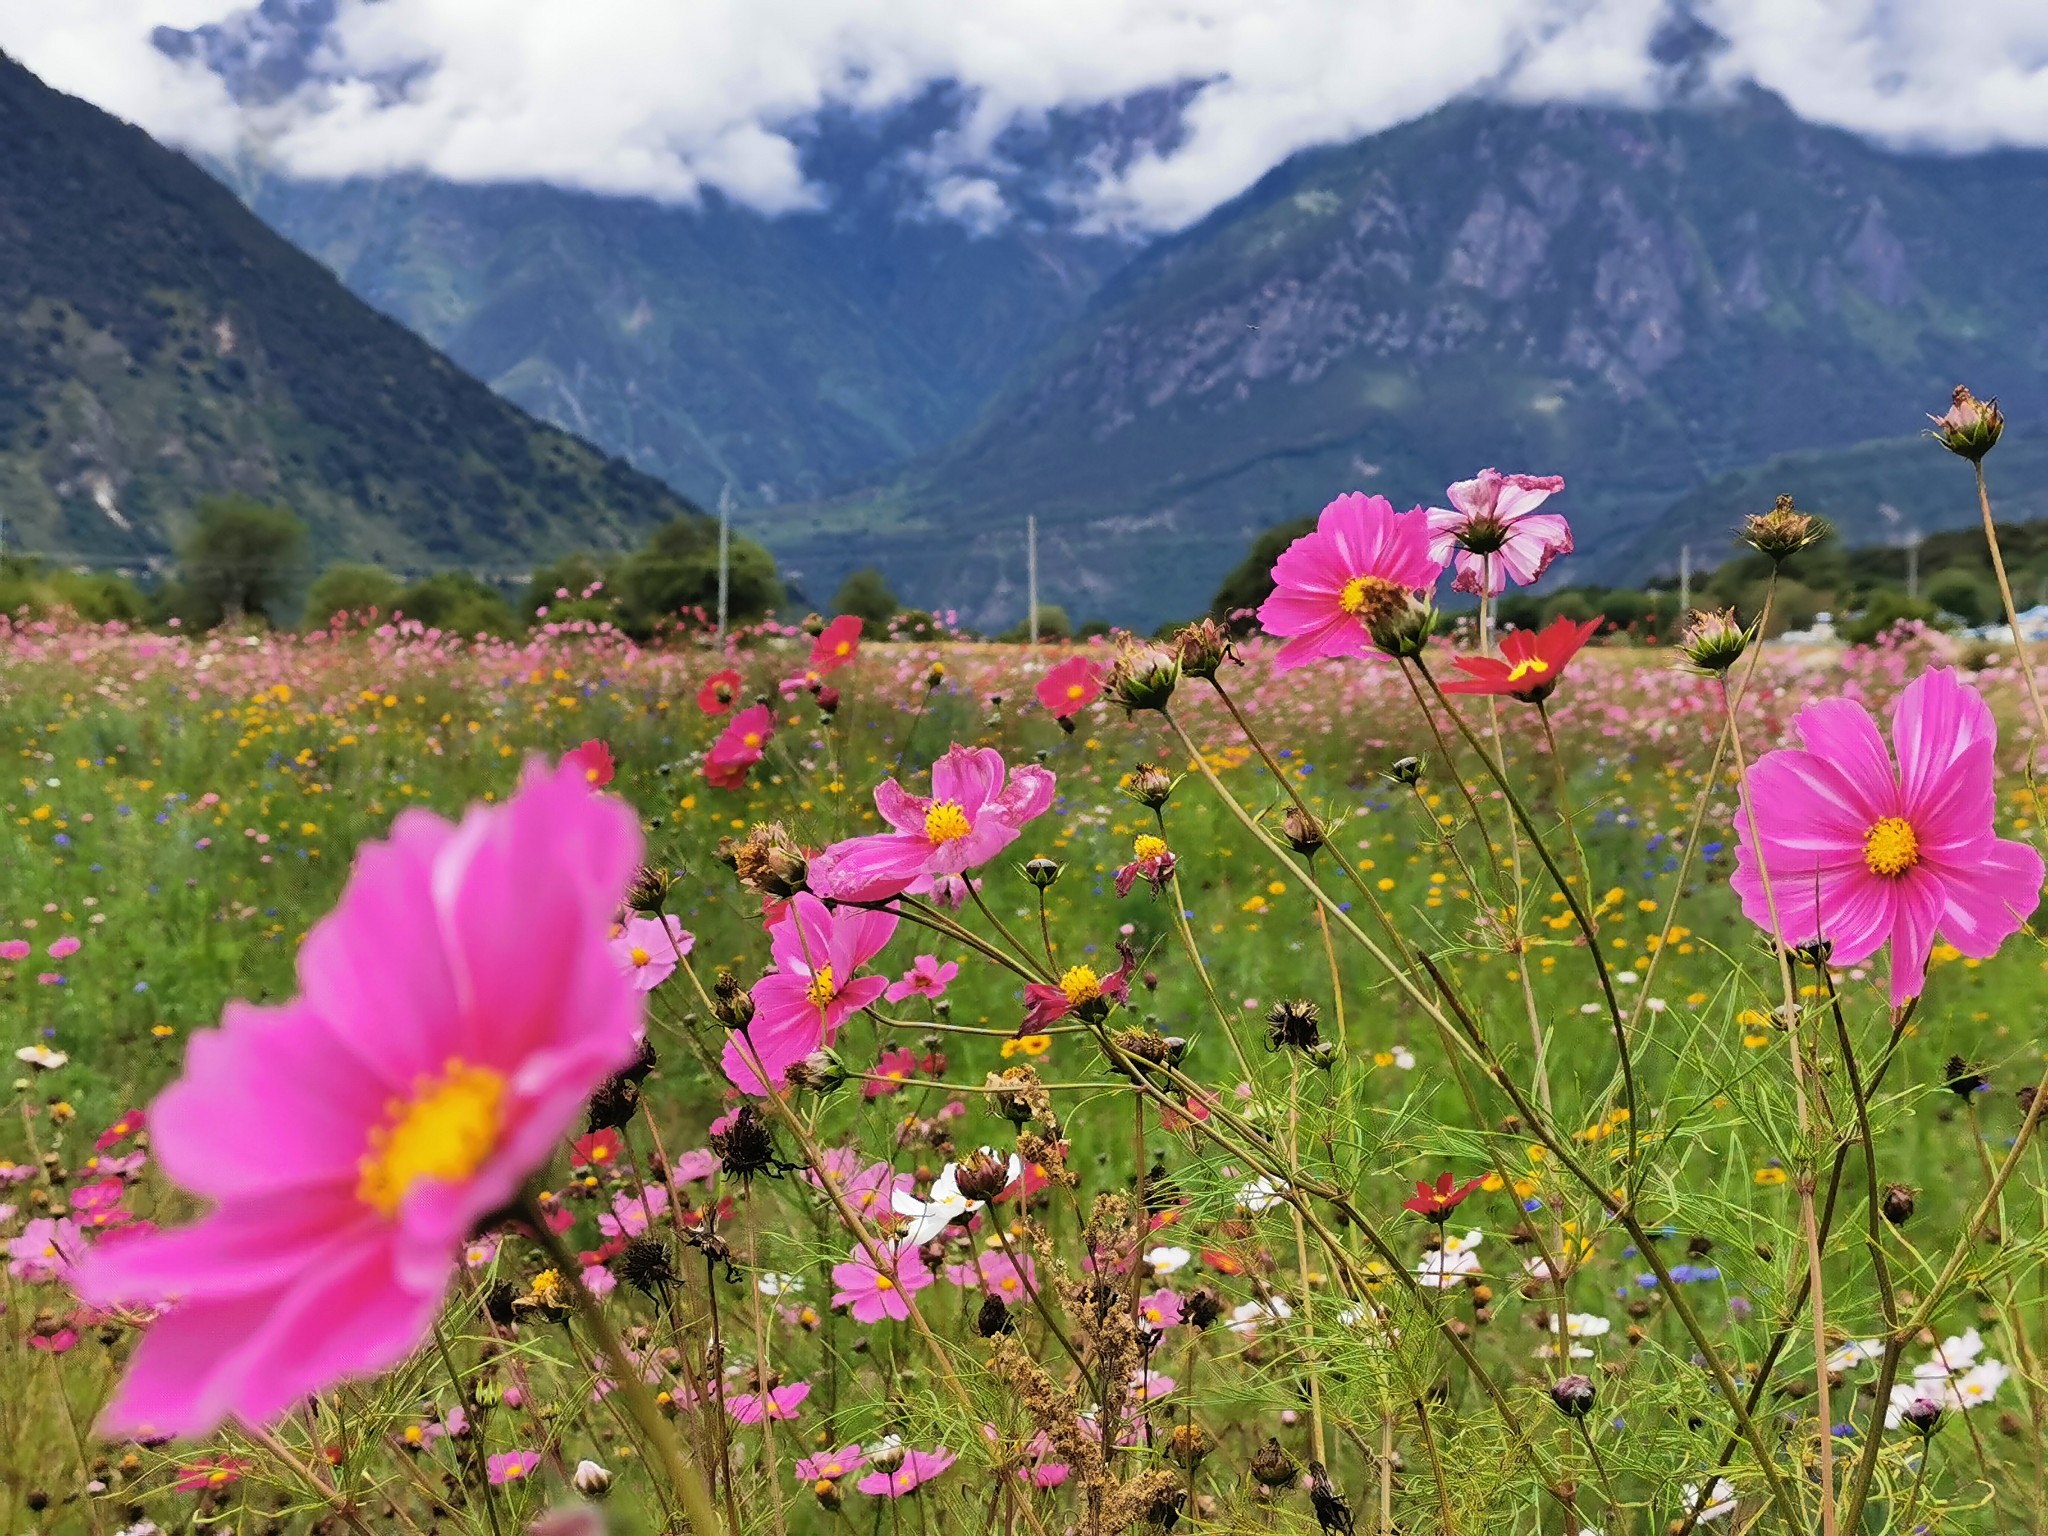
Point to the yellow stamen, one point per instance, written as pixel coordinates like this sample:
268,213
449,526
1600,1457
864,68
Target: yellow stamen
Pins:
1522,669
1081,985
822,988
1891,847
752,738
444,1132
884,1283
946,822
1367,598
1075,690
1146,846
638,956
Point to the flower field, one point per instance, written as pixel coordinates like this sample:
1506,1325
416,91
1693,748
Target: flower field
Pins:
1197,1088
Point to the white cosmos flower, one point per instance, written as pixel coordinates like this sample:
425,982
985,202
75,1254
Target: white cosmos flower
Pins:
1446,1266
1261,1194
1853,1354
1721,1500
1979,1384
945,1205
1165,1260
41,1056
1404,1058
774,1284
1246,1318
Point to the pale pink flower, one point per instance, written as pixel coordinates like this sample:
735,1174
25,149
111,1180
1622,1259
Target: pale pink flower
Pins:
779,1403
873,1293
1493,529
647,949
1862,852
971,816
48,1249
927,977
818,951
916,1469
456,1009
1362,563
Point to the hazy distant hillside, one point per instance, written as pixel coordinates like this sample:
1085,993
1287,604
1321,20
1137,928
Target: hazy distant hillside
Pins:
1639,301
159,342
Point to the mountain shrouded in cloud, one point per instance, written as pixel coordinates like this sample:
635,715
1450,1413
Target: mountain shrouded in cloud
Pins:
670,99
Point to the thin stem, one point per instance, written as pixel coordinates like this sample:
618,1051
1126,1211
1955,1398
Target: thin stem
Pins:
682,1474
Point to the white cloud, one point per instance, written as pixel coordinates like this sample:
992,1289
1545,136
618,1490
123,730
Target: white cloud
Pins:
664,98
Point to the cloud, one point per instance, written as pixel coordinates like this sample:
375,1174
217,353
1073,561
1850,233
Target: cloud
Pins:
665,98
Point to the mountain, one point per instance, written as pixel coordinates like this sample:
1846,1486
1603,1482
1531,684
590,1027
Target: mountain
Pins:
787,357
158,342
1641,301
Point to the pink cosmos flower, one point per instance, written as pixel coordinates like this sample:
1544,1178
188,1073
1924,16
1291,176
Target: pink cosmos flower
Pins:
719,691
972,816
511,1466
925,978
1362,564
13,951
131,1122
65,948
996,1273
781,1403
869,1187
1159,1311
917,1469
98,1204
873,1293
1496,532
647,949
838,643
48,1249
893,1071
1861,852
830,1466
817,951
1071,686
739,747
630,1210
456,1009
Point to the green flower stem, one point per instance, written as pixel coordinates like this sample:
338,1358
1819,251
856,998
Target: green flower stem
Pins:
682,1473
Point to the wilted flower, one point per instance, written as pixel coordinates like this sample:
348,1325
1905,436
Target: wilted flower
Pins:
1713,642
1144,677
1969,427
1783,531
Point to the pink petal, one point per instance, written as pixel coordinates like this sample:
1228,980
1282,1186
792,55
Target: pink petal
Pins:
1842,732
1990,898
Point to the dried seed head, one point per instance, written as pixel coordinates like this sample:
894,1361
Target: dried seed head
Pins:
1304,833
1143,677
770,863
746,1145
1713,642
1150,785
1293,1024
649,889
1272,1467
1783,531
1203,647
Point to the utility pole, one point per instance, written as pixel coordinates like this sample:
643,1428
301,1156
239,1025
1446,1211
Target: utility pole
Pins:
1684,580
724,555
1031,573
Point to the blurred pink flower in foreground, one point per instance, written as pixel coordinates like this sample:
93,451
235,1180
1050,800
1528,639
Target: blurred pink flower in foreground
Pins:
1361,564
973,814
1494,530
1861,853
456,1009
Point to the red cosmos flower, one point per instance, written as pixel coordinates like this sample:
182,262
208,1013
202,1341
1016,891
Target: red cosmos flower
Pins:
837,645
718,692
120,1130
1079,987
600,1149
1071,686
1437,1201
746,736
1530,662
594,757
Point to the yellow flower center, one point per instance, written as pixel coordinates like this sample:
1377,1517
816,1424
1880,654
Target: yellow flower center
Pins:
752,738
884,1283
1890,848
1075,690
639,956
843,648
1533,664
1081,985
445,1131
1147,846
822,988
946,822
1367,598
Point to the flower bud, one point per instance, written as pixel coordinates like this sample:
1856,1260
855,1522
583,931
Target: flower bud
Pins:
1970,427
1923,1415
1203,647
1274,1468
981,1175
1898,1204
1407,770
1041,872
732,1003
1573,1396
887,1456
828,700
1144,676
649,890
1303,831
1322,1055
820,1072
591,1480
1783,531
1403,632
1713,642
1150,785
813,625
1962,1079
